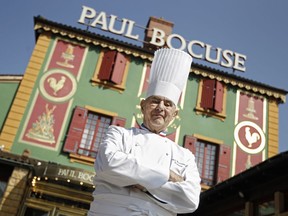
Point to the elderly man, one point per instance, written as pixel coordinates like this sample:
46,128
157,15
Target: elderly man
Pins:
138,170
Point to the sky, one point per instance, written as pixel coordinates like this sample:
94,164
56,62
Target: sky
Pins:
256,29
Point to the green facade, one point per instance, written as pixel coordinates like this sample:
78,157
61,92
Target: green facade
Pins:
125,103
8,91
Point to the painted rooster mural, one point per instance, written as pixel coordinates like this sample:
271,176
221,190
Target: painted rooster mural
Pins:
251,137
56,86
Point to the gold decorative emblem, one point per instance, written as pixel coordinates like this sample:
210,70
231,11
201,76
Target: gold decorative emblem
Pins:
251,110
43,129
67,56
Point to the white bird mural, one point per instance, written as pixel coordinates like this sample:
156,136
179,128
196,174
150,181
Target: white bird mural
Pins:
56,86
251,137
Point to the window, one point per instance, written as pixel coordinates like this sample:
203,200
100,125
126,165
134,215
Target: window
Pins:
211,98
206,160
213,160
111,69
95,128
87,129
212,95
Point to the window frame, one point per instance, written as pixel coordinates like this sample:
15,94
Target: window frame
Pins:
223,156
90,148
97,82
205,165
210,112
71,145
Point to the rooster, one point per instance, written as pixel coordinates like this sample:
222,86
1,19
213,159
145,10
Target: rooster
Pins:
251,138
56,86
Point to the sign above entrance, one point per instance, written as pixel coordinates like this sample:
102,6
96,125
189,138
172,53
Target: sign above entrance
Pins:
225,58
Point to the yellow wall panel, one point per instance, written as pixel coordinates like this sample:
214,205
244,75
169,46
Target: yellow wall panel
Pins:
273,131
25,90
28,83
7,144
273,121
39,53
17,109
274,114
16,116
37,60
33,68
12,123
23,94
273,149
273,126
7,137
11,130
20,103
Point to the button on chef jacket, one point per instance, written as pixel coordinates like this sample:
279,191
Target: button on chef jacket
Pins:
134,156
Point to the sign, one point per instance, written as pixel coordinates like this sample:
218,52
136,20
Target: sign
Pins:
68,173
224,58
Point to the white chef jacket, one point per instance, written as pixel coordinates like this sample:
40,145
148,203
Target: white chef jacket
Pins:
134,156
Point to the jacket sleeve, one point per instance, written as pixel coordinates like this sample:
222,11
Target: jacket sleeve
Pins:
181,197
115,163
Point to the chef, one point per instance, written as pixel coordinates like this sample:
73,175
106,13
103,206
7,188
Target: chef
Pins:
138,170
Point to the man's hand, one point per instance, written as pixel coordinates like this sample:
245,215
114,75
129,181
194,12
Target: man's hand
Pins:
175,177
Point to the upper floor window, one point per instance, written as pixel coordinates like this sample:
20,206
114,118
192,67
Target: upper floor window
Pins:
111,69
87,129
213,160
211,98
212,95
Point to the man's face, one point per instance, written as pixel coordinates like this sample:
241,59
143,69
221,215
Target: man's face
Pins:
158,112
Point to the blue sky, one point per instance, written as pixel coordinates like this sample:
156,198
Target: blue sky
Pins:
257,29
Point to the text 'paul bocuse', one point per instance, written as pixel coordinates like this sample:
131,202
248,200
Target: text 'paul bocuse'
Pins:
225,58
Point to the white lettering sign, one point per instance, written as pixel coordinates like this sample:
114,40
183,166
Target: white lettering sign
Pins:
225,58
75,174
101,20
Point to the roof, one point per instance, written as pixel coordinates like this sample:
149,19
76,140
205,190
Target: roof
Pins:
11,77
19,160
42,24
256,183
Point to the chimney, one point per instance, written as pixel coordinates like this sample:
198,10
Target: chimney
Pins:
158,23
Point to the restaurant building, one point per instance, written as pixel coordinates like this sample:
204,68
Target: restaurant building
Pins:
77,83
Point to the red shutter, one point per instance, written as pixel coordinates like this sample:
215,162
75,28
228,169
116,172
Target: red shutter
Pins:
218,106
207,96
75,131
190,143
107,65
224,163
119,121
118,69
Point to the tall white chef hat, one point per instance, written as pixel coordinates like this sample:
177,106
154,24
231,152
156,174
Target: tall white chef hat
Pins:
169,73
